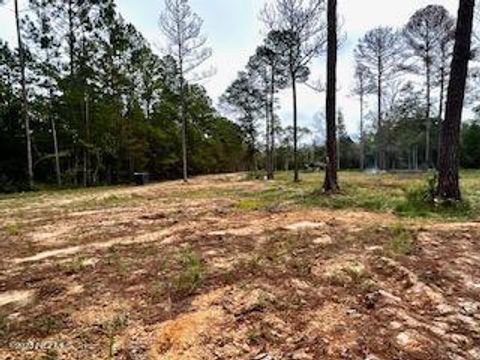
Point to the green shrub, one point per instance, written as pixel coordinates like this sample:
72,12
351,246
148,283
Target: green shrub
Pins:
421,202
157,292
13,229
402,241
256,175
49,324
10,186
4,326
191,275
114,258
254,337
76,266
112,328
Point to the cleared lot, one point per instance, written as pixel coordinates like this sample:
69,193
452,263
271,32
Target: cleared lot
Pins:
229,268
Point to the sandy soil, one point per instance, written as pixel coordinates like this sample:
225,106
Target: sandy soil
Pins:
174,271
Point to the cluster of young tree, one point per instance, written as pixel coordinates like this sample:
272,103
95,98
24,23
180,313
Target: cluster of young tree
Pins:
389,63
407,72
85,101
296,34
429,45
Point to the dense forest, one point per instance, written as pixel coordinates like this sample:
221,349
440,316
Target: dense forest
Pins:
99,104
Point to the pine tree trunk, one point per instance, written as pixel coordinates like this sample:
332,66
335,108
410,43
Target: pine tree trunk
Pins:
380,135
448,182
54,133
440,105
296,177
416,157
55,148
267,131
85,170
339,155
428,121
148,106
72,105
184,122
71,38
75,167
272,125
442,95
362,135
97,169
25,115
86,180
331,185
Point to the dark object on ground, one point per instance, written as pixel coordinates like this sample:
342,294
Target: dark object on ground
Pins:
371,300
141,178
315,167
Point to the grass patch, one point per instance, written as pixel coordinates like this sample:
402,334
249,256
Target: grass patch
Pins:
243,268
254,337
402,242
49,324
4,327
256,175
13,229
252,264
191,274
419,202
76,266
405,194
251,204
110,201
112,328
114,258
270,199
158,292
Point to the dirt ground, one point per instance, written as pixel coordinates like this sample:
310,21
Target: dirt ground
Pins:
175,271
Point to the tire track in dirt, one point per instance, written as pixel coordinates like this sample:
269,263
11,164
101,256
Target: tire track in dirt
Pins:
164,236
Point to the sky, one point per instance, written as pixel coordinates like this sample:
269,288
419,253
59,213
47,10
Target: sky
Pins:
234,31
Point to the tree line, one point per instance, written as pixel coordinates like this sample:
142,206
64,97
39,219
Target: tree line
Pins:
96,103
430,46
296,35
385,58
84,100
404,72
